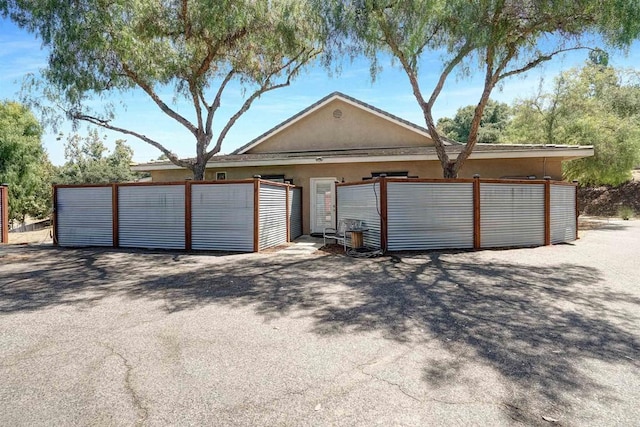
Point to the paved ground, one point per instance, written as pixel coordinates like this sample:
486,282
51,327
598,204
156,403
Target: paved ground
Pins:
538,336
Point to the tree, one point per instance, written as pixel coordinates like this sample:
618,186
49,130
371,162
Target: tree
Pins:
88,161
502,38
197,48
593,105
495,117
24,164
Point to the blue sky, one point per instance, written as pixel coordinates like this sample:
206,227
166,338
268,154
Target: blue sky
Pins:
22,53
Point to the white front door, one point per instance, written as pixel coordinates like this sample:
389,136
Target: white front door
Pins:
323,203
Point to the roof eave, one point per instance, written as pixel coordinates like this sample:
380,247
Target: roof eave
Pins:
564,154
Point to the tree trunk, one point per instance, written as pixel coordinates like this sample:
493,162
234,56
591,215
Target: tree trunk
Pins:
198,170
450,170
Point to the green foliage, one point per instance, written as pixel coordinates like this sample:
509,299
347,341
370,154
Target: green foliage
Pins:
593,105
196,48
24,164
494,120
499,38
89,162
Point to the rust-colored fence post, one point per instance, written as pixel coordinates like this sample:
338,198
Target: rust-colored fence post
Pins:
115,215
54,215
384,237
187,215
288,214
575,183
547,210
256,213
4,211
477,242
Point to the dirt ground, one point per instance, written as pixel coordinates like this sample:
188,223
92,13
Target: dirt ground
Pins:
31,237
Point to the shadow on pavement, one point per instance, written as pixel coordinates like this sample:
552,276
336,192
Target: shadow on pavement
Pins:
532,325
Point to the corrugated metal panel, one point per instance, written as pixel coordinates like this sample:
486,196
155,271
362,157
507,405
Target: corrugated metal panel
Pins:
362,202
84,216
295,212
222,217
563,213
511,215
151,216
423,215
273,215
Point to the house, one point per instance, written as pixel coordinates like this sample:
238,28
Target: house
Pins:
342,139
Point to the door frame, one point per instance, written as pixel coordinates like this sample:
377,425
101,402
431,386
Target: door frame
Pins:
312,202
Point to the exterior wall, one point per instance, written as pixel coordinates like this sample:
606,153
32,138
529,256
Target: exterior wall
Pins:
352,172
322,131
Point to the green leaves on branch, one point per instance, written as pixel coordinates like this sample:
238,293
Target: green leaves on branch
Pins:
195,48
593,105
89,162
498,38
23,163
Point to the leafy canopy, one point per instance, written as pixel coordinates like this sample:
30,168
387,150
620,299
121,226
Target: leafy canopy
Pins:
593,105
89,162
24,164
499,38
494,120
194,48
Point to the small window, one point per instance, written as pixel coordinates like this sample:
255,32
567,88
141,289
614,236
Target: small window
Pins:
401,174
221,176
274,178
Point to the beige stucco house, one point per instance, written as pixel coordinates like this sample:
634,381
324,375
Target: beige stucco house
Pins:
340,138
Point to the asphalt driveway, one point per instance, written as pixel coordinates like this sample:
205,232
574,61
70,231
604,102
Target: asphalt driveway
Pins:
544,336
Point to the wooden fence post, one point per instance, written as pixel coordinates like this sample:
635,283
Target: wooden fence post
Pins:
547,210
477,242
4,210
256,213
54,219
288,214
115,215
187,215
384,237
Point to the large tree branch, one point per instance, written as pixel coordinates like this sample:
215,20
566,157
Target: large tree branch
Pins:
106,125
159,102
211,110
426,106
538,61
265,87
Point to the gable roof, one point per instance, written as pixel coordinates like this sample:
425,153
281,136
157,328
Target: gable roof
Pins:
326,100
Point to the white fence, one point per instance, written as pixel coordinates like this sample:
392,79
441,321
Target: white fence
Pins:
419,214
238,216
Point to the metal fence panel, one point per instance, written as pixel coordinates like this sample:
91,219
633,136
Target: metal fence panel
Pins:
84,216
273,215
426,215
295,212
511,215
222,217
563,213
151,216
362,202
